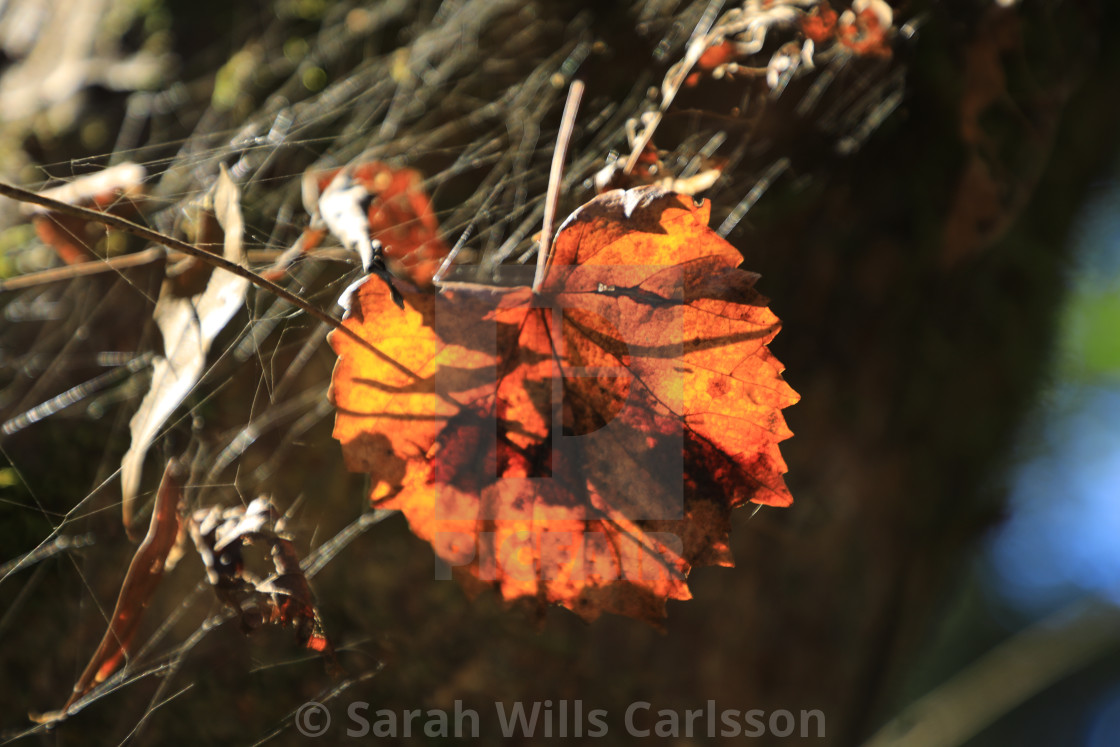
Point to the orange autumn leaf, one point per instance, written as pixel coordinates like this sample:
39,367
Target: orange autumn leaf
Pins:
400,217
583,445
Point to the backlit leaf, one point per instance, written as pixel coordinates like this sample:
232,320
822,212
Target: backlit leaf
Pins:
583,445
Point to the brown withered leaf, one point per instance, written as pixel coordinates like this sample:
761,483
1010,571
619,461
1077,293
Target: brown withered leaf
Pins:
140,583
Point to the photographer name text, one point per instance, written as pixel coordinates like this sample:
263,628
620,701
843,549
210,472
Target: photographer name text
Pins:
560,719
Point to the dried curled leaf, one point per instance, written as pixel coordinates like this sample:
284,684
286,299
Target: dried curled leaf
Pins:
118,190
140,583
189,326
584,445
651,170
221,535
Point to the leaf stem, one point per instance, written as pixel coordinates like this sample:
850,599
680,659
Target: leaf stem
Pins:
552,197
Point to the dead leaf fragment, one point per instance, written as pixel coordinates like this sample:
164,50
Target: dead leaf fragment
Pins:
140,582
650,170
221,534
118,190
378,211
189,326
865,28
584,445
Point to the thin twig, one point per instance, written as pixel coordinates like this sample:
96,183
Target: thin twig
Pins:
61,543
113,221
640,144
67,272
697,43
552,197
136,259
72,396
